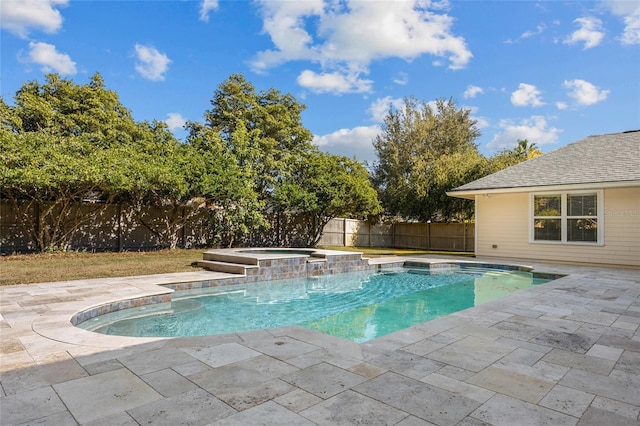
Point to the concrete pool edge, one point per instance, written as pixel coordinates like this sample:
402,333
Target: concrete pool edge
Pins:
59,324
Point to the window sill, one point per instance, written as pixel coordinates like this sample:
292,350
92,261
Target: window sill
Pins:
568,243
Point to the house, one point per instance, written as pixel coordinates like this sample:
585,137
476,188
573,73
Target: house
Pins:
577,204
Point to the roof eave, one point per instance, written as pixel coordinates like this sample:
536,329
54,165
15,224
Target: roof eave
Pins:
470,194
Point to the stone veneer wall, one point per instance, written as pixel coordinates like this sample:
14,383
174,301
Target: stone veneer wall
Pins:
301,266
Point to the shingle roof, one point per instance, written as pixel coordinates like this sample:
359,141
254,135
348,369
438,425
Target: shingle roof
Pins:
607,158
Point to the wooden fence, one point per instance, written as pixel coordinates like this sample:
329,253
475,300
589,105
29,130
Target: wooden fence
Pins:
114,229
428,236
111,228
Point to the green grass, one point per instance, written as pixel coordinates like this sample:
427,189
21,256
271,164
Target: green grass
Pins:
49,267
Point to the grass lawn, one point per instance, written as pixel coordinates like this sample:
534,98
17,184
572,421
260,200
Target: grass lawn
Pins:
48,267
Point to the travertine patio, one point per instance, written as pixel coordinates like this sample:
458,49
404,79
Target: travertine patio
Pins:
563,353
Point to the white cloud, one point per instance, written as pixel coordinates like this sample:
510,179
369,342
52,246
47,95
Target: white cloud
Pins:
50,59
561,105
402,79
151,64
590,32
333,82
205,7
175,121
585,93
629,11
534,129
527,94
20,16
380,107
472,92
356,142
481,122
349,35
539,30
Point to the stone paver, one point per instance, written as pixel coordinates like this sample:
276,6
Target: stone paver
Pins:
351,408
92,397
324,380
503,410
167,382
195,407
567,400
30,406
411,396
522,386
563,353
268,413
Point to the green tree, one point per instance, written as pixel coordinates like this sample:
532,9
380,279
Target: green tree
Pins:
9,120
510,157
154,176
61,107
227,188
420,146
42,176
294,183
54,167
70,150
322,187
263,130
525,150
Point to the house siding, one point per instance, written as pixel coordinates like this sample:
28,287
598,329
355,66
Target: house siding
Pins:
503,220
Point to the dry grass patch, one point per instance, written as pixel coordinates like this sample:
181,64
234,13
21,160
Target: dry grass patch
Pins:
49,267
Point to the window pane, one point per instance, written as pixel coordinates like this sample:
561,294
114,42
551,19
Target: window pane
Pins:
582,230
547,205
547,229
582,205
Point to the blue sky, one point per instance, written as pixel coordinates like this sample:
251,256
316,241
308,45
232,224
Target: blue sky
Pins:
550,72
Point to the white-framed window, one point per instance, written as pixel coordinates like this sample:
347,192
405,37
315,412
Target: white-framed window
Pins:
567,218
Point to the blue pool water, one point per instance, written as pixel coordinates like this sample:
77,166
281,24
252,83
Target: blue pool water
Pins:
356,306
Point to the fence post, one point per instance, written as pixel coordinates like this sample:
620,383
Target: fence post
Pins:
393,235
344,232
464,236
183,236
119,227
37,224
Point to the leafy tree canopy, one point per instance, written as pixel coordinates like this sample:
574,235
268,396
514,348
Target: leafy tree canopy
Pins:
424,148
61,107
262,129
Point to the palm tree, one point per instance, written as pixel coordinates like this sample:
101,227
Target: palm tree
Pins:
526,150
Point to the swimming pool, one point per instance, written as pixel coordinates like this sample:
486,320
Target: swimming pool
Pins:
358,306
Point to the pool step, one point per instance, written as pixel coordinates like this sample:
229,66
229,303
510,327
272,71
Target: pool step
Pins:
229,258
231,268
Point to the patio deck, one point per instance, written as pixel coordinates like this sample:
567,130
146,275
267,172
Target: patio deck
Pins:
563,353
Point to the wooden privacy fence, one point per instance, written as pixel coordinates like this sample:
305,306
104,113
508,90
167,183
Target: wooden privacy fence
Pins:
114,229
428,236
